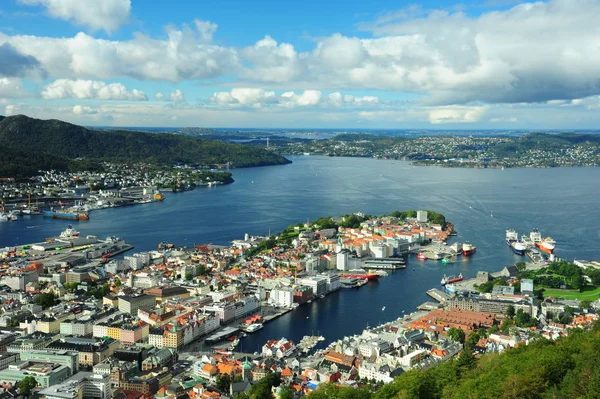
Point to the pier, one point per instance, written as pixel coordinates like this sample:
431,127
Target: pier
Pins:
438,295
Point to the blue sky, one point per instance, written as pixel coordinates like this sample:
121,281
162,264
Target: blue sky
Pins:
498,64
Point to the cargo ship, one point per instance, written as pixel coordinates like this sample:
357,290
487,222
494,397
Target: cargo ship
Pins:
67,215
451,279
468,249
518,247
547,245
511,236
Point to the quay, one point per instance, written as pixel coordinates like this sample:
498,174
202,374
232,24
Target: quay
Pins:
385,263
438,295
429,306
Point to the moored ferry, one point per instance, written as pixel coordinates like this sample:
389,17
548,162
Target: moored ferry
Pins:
511,236
547,245
518,247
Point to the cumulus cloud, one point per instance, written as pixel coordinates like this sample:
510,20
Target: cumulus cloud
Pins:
244,96
107,15
12,88
177,96
180,56
91,89
498,57
15,64
258,98
206,29
455,114
272,61
83,110
159,96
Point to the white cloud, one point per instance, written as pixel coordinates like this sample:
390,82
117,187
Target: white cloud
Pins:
108,15
272,61
455,114
159,96
177,96
244,96
90,89
306,99
501,56
511,119
83,110
258,98
206,29
12,88
180,56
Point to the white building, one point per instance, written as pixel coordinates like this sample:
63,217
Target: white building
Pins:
342,260
77,328
246,305
422,216
225,310
283,297
81,385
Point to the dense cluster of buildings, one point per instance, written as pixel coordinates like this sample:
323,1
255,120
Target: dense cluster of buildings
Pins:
83,325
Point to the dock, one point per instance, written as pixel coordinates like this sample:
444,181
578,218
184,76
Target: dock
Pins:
438,295
385,263
429,306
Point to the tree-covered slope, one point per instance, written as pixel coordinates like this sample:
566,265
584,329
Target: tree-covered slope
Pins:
63,139
567,368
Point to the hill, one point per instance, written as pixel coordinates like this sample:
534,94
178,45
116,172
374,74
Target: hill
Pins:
65,140
566,368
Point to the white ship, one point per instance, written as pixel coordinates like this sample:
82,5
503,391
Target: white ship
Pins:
535,236
511,236
253,327
70,232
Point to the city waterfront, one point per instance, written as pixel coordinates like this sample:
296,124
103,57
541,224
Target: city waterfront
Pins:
481,203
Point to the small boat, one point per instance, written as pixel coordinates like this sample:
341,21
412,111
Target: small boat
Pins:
3,217
383,308
309,301
448,260
421,256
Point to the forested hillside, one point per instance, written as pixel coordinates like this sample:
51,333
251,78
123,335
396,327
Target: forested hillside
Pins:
567,368
35,137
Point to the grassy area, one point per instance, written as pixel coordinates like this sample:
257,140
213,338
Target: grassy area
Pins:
591,293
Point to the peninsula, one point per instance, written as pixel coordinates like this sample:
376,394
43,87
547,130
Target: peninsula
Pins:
474,151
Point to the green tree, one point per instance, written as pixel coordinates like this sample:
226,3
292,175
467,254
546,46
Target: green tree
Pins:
521,266
286,393
223,382
456,334
117,282
585,304
46,300
188,276
510,311
26,386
